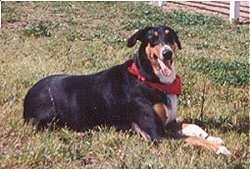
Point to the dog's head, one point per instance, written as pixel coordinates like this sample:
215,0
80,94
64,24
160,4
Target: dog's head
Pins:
155,58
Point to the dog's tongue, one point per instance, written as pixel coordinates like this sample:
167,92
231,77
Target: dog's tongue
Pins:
166,71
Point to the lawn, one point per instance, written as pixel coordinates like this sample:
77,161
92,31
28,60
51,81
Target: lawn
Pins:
38,39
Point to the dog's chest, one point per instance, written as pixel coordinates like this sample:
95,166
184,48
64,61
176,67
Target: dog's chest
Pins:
171,101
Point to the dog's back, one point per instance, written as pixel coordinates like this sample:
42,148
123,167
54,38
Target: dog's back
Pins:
79,101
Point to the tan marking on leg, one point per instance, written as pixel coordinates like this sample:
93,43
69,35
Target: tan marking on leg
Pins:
195,130
160,110
197,141
201,141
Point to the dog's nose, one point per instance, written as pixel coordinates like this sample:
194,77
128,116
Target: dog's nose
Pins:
167,54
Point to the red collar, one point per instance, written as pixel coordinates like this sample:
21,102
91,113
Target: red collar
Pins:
173,88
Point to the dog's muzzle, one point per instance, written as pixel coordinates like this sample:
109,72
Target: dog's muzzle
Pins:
167,54
166,62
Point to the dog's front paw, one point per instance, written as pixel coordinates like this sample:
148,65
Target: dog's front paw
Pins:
223,150
216,140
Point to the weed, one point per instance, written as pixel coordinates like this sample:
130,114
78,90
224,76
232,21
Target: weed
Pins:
38,30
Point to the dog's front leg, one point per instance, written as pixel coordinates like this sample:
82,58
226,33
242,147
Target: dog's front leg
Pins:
195,130
198,141
195,135
135,127
144,122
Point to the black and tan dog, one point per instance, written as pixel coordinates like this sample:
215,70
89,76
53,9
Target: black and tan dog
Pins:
140,94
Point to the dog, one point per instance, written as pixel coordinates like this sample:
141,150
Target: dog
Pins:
140,94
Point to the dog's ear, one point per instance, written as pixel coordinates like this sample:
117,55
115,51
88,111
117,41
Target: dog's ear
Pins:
177,41
138,35
175,36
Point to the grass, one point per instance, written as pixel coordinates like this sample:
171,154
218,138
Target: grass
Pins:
44,38
233,73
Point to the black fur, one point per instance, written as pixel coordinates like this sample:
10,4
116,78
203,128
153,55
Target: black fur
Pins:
112,97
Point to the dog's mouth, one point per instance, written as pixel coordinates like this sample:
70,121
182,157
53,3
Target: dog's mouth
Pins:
165,66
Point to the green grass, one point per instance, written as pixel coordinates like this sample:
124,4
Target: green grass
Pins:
232,73
44,38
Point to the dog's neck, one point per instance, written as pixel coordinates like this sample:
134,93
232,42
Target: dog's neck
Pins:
171,88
